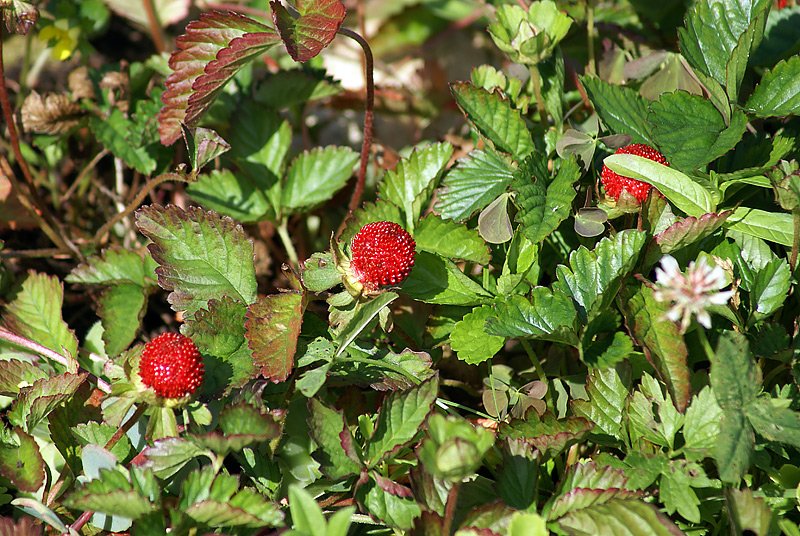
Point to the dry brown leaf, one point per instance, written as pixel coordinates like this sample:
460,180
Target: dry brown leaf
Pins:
51,114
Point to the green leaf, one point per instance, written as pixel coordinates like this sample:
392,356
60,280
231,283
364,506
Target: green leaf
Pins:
607,351
319,273
260,142
778,93
654,416
494,225
314,29
774,423
244,508
517,480
544,203
687,195
474,182
364,315
469,339
734,447
690,132
273,325
231,194
306,514
451,240
209,54
621,109
115,266
749,514
241,425
606,407
399,420
523,524
121,308
289,87
326,427
586,484
438,280
701,425
16,374
548,315
546,434
393,510
414,179
21,462
167,456
663,340
204,145
770,288
219,334
734,376
113,494
593,277
775,227
34,312
676,493
94,433
315,176
201,255
618,516
746,43
492,116
712,32
113,132
34,403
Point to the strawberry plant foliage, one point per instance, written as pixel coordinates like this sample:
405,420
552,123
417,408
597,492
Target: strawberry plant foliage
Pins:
380,299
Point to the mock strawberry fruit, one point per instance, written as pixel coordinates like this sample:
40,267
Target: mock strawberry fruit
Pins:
614,183
382,254
171,365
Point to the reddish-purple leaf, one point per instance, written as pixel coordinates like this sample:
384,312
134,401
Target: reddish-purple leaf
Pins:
22,464
313,30
390,486
683,233
662,342
211,51
273,324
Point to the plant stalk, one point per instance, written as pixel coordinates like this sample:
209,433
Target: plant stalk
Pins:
537,366
358,192
283,232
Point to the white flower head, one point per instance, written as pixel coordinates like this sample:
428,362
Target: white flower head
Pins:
692,292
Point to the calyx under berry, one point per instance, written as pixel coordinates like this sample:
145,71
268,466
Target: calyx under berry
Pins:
614,183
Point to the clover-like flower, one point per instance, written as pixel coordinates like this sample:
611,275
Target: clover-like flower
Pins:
690,293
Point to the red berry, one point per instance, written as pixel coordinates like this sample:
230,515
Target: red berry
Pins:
171,365
615,183
383,254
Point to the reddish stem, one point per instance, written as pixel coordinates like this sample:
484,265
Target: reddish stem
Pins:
368,117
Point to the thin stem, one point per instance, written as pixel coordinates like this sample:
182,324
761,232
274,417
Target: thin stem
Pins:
591,67
701,336
537,366
155,27
795,239
368,116
136,202
447,403
450,508
122,430
391,366
68,362
536,80
283,232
